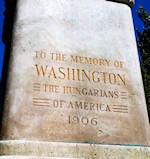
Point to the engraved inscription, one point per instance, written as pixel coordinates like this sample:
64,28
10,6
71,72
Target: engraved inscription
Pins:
86,87
123,95
36,87
120,108
74,74
82,120
41,102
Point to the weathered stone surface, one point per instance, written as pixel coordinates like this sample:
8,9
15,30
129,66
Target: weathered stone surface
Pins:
74,74
55,150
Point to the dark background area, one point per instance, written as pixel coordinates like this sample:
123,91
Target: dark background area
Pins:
137,23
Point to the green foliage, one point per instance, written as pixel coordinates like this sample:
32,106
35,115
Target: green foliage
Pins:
144,50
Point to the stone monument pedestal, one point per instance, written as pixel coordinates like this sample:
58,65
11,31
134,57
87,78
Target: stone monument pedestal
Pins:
74,86
27,149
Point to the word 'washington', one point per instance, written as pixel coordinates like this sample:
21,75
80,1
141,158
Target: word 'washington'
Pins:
80,75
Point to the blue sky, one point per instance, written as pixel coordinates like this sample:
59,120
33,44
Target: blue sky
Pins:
2,46
137,23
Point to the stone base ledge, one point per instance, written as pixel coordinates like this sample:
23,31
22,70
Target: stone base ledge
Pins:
25,149
33,157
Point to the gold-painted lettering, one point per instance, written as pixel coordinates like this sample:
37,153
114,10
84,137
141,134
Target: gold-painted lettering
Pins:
116,64
58,57
53,88
65,89
121,78
69,73
87,76
112,78
70,90
43,55
81,59
41,70
104,76
101,62
95,61
87,60
60,70
55,103
78,74
121,64
74,59
52,56
52,72
93,77
64,57
45,87
36,53
107,62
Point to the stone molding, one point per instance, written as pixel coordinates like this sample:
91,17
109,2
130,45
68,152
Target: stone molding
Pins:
128,2
28,149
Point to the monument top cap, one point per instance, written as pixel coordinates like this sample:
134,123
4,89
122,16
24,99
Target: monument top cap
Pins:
128,2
